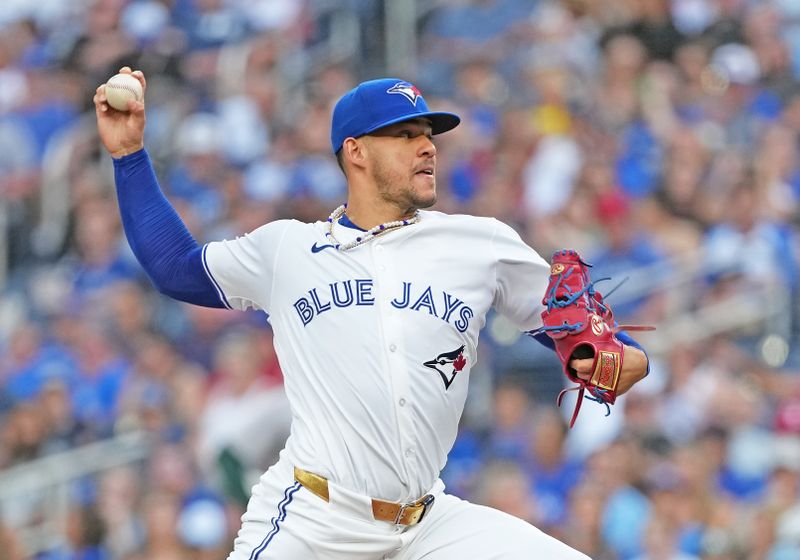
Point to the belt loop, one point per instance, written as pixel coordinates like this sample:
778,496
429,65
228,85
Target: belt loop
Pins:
317,484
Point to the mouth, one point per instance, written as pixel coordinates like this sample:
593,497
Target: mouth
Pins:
428,171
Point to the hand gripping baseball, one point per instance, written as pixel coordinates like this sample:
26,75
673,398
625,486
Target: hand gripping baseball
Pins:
582,326
121,132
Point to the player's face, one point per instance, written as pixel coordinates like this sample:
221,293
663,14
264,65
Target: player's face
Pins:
402,163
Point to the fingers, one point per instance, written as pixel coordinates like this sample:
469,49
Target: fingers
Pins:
138,74
582,367
135,107
99,99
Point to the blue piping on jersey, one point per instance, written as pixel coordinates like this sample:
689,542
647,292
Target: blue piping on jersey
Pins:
288,494
220,293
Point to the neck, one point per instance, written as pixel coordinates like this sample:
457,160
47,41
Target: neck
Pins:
370,214
368,234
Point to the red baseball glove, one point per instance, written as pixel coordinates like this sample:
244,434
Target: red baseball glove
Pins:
582,326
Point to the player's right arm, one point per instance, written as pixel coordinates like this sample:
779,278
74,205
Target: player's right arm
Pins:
169,254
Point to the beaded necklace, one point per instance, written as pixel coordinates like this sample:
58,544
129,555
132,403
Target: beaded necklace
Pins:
367,235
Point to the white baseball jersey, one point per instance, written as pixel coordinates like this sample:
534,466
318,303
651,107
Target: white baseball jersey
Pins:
376,343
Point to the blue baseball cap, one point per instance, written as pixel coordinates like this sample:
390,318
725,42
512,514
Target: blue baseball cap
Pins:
377,103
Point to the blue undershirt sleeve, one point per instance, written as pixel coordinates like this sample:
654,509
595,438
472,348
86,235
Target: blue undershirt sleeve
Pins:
158,237
544,340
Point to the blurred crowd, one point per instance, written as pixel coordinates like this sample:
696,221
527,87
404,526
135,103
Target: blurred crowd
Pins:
640,132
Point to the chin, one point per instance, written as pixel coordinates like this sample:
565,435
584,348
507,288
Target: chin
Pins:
425,201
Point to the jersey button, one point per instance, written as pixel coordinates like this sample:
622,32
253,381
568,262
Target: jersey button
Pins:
392,348
402,402
409,452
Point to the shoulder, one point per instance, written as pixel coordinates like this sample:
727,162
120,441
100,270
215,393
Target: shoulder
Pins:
461,221
486,228
269,236
281,227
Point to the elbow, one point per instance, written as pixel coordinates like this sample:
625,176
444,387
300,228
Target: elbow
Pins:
162,285
188,292
183,278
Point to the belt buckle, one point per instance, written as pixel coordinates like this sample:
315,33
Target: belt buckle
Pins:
425,501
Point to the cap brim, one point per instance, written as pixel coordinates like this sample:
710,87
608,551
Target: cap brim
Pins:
440,121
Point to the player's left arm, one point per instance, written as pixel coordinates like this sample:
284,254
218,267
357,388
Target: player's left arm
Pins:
522,276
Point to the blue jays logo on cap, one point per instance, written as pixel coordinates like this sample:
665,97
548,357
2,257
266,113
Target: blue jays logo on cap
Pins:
410,91
377,103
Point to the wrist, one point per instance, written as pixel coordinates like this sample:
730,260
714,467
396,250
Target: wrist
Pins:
127,150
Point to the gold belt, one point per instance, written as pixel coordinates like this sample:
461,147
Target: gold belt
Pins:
399,514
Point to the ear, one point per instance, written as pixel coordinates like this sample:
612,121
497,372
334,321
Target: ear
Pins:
354,151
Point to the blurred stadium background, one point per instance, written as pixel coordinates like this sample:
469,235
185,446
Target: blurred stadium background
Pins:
658,137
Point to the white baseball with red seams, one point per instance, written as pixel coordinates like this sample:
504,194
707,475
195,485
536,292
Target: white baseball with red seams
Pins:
121,88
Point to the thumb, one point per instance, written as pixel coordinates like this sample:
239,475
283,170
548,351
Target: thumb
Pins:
582,367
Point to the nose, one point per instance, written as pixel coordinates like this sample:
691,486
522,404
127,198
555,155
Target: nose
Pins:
426,148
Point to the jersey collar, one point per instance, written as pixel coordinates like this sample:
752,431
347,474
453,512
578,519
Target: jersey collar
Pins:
346,222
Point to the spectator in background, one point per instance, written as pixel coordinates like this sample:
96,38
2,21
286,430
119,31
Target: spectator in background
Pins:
582,528
103,371
505,487
652,24
628,246
118,500
660,543
22,436
554,475
466,30
85,533
551,172
617,470
512,423
245,420
201,167
164,394
746,245
776,168
29,362
100,259
64,430
161,514
10,547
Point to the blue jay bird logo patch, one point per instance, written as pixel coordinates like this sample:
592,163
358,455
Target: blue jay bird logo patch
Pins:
407,90
448,364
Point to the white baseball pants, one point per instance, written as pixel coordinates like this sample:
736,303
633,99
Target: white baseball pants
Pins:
285,521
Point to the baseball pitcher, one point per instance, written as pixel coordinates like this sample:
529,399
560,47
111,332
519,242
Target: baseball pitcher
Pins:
376,313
